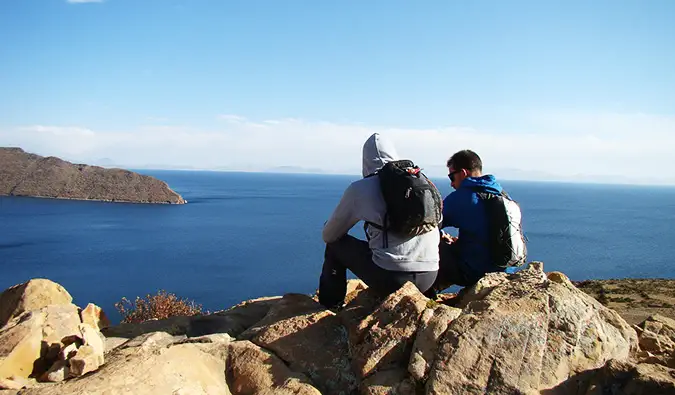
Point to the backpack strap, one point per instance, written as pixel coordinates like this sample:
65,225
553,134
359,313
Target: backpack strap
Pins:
385,241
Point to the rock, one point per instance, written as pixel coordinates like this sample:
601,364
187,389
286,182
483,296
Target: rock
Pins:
21,345
90,356
59,371
15,383
559,278
433,324
24,174
178,325
84,361
31,295
481,289
68,351
60,328
388,382
290,305
528,334
629,379
152,341
296,340
112,343
354,287
150,364
358,308
384,338
234,320
252,370
657,334
95,317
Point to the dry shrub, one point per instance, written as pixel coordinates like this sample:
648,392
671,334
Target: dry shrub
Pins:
160,306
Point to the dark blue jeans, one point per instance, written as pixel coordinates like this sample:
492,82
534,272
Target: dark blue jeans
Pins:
351,253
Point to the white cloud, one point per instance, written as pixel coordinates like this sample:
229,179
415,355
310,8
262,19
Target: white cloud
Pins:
636,148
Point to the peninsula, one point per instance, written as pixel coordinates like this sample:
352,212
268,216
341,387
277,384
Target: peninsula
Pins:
26,174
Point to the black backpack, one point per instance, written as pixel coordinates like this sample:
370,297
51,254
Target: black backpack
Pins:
506,241
414,205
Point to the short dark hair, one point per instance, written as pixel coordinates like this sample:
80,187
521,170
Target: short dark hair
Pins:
465,159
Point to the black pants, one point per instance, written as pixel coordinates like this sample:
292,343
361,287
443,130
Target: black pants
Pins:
351,253
449,272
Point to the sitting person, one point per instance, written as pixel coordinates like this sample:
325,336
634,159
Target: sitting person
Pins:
389,258
475,252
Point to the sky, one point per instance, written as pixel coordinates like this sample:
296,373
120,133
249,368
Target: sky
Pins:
554,90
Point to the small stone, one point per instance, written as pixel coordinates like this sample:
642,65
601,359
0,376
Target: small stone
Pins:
86,360
94,316
559,278
67,352
57,373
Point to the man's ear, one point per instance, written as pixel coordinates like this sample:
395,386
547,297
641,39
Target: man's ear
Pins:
465,173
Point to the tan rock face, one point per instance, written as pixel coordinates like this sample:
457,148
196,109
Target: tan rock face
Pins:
383,339
234,320
32,295
298,339
150,366
630,379
95,317
290,305
30,343
388,382
252,370
433,324
20,345
527,334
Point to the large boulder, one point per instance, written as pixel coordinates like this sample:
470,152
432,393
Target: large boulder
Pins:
31,342
252,370
433,324
297,338
383,340
31,295
291,305
234,320
20,345
626,378
525,335
94,317
155,363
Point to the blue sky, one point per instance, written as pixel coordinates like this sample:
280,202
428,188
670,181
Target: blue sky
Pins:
555,89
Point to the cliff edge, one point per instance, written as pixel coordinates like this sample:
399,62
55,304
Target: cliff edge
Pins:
525,333
26,174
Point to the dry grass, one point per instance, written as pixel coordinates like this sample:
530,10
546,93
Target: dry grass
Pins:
160,306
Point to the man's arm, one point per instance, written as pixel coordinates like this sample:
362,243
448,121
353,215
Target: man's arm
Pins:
449,206
342,219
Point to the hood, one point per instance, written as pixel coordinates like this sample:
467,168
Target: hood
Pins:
486,182
376,152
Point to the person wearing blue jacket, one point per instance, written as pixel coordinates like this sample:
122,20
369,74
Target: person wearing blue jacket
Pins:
466,258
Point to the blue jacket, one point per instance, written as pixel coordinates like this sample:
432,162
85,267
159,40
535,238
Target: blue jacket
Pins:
463,210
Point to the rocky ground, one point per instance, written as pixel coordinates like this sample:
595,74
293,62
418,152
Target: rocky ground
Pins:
634,299
527,333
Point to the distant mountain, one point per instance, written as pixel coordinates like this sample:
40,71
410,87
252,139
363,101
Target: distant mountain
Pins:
25,174
294,169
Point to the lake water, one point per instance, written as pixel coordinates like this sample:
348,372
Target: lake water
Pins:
245,235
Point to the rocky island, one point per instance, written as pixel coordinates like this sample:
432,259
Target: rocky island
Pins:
525,333
26,174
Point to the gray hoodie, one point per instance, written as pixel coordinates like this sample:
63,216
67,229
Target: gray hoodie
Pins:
363,201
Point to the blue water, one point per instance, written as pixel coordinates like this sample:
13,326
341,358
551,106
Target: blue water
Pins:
245,235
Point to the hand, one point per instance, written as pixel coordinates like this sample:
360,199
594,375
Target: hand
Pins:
448,238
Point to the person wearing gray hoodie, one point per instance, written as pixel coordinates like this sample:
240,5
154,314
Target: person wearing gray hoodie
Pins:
385,267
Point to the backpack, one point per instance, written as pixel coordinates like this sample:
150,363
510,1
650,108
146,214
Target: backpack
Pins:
414,205
506,241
